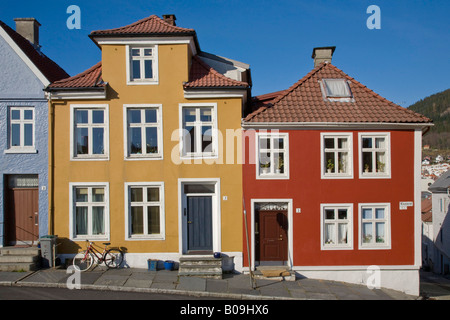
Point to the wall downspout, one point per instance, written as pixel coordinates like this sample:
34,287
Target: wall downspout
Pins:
51,157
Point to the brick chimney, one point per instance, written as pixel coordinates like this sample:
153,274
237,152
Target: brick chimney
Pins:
29,29
322,54
170,19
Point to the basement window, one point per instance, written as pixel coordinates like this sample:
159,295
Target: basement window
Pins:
336,89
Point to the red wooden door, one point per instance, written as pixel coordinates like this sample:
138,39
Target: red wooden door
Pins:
271,236
22,216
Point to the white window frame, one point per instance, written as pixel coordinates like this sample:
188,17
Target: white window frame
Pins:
143,125
21,122
386,149
89,204
272,174
349,221
214,154
160,203
129,67
373,220
336,175
90,126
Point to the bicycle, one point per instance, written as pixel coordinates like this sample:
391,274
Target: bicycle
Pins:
84,260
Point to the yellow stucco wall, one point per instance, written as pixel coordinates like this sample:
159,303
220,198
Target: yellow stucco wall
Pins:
173,71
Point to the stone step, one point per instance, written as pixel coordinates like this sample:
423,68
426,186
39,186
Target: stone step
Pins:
19,258
200,266
274,273
20,251
18,266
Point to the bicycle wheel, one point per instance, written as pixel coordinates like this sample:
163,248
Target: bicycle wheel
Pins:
83,261
113,258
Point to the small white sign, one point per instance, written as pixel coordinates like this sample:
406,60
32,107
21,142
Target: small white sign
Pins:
405,204
298,210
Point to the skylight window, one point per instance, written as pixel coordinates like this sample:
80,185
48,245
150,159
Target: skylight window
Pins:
336,88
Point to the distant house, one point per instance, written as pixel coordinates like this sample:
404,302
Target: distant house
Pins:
441,223
427,232
25,72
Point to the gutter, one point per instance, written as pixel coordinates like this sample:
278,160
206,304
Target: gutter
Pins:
337,125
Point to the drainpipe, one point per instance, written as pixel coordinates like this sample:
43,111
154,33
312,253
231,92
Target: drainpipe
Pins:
51,179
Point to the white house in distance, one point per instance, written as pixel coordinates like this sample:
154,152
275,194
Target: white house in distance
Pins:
441,223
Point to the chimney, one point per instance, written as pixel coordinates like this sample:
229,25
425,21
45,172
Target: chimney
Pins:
322,54
170,19
29,29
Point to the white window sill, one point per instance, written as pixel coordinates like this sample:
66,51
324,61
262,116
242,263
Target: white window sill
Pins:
90,158
145,157
375,247
145,238
272,177
20,150
336,247
142,82
91,238
337,176
366,175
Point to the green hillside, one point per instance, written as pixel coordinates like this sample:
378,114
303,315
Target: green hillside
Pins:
437,108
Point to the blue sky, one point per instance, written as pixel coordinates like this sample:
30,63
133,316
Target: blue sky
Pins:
406,60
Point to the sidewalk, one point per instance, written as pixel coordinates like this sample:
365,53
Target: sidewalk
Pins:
232,286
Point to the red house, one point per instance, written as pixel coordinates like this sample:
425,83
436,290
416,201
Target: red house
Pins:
332,181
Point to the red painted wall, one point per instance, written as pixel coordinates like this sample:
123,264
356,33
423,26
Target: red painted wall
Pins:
307,190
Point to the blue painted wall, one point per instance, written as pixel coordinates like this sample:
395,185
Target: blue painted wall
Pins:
19,86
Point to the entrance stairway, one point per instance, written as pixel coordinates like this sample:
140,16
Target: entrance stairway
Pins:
274,273
19,259
200,266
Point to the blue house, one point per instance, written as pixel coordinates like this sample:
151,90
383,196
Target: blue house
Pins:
25,72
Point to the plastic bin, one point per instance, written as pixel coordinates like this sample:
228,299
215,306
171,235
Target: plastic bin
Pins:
48,251
152,264
168,265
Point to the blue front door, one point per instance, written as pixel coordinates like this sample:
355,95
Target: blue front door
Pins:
199,219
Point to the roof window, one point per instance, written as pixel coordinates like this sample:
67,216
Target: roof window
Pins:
336,88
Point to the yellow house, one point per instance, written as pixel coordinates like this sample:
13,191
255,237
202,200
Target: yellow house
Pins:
146,150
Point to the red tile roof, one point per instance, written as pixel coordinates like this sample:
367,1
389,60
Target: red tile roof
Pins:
90,78
426,209
50,69
304,102
204,76
149,25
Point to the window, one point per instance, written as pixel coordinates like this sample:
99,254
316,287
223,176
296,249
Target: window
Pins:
145,216
143,137
199,125
21,129
337,227
374,221
374,155
336,88
273,155
142,67
89,211
336,155
90,132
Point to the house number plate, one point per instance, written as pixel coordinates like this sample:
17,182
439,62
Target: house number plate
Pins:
405,204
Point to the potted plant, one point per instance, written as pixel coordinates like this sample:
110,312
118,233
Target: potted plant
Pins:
380,166
330,166
265,167
280,165
366,167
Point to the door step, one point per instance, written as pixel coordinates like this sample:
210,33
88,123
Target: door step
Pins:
200,266
19,259
281,273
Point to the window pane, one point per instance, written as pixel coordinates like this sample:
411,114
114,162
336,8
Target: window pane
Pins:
147,52
97,116
329,214
367,161
342,233
329,143
98,225
264,162
135,52
152,194
81,116
188,114
150,115
199,188
329,162
380,227
381,162
98,141
342,214
81,194
342,143
28,135
189,139
337,88
98,194
153,220
136,141
15,114
329,233
148,64
380,143
379,213
136,195
81,221
137,220
205,115
28,114
134,116
367,142
367,232
279,162
206,138
342,161
367,213
152,140
136,66
15,135
264,143
278,143
82,140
